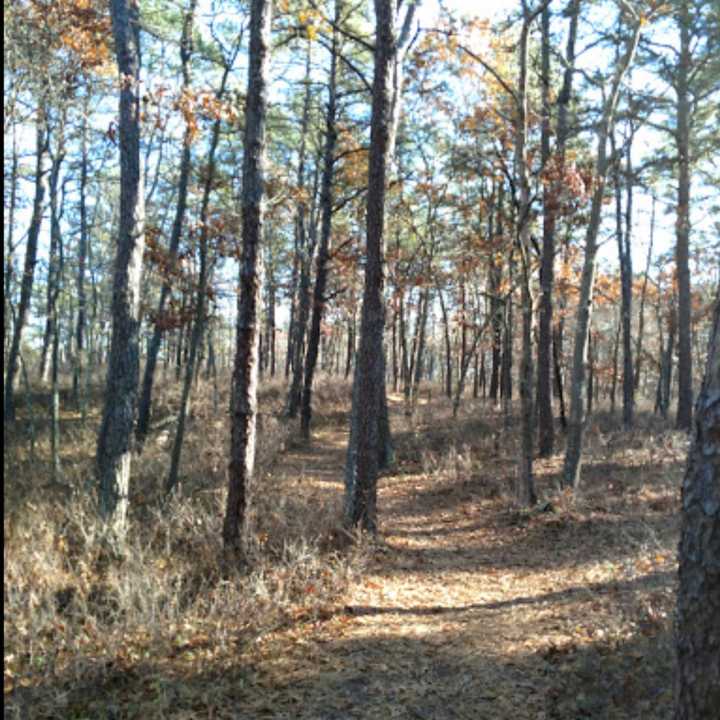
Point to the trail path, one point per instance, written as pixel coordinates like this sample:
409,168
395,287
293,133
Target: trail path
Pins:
467,610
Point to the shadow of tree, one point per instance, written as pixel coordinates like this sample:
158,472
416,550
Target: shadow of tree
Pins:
650,581
441,676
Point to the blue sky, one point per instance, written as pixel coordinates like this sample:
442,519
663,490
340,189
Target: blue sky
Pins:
428,14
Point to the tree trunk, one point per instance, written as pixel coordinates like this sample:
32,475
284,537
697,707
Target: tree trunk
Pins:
395,353
622,234
682,227
212,370
114,446
53,280
305,245
551,191
578,389
525,489
78,389
244,399
546,421
411,357
497,307
418,363
57,263
31,249
448,345
507,349
616,352
326,203
697,620
270,328
666,367
643,293
55,396
9,243
364,444
557,363
591,373
200,320
145,405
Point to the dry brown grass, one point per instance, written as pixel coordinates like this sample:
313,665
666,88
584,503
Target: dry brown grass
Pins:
467,606
75,611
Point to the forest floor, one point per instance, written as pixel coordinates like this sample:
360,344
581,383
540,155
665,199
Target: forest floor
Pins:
465,606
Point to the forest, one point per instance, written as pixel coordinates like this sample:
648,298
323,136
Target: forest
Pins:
362,359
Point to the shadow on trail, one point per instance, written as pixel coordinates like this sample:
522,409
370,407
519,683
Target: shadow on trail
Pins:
442,676
514,540
650,581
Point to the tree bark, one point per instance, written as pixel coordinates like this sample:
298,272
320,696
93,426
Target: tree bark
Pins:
622,235
364,445
81,320
418,364
682,226
616,351
53,279
557,364
546,421
666,364
643,295
114,446
270,327
31,248
326,203
551,191
506,388
244,398
578,389
10,234
145,406
448,345
697,620
591,372
305,248
200,319
55,339
525,489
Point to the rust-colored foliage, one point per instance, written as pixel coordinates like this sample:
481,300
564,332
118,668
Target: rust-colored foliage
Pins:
79,28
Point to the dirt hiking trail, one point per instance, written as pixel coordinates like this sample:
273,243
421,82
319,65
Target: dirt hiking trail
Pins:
470,609
464,607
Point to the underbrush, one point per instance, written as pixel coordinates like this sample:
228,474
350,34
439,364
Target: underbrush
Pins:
89,627
76,609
